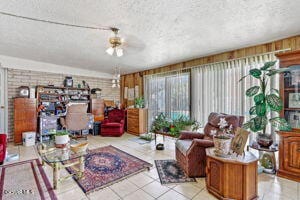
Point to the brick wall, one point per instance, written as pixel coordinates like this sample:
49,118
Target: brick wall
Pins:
17,78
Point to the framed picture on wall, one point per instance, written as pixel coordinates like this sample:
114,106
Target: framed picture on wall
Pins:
125,92
130,94
136,91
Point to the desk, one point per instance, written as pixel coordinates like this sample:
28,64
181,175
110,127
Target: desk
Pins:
231,178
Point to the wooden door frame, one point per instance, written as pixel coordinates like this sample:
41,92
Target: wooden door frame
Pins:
5,94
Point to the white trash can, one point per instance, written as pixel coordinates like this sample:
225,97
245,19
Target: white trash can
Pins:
28,138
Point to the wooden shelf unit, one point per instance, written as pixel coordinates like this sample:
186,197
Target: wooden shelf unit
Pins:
289,144
62,95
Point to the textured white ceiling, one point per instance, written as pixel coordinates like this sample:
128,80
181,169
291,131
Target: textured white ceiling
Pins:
157,32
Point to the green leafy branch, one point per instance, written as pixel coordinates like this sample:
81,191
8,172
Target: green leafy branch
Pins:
265,101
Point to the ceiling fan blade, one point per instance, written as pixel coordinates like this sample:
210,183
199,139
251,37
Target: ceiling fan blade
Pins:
133,43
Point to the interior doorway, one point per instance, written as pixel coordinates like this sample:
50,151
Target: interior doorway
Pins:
3,100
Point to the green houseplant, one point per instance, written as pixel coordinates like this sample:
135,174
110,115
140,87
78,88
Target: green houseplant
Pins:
266,101
139,102
161,123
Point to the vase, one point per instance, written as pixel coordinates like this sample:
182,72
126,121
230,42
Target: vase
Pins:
222,146
264,140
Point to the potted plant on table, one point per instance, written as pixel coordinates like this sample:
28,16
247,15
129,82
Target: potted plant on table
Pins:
161,123
183,123
267,102
222,140
139,102
61,139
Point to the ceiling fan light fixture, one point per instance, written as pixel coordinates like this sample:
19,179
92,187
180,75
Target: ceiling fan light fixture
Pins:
110,51
115,43
119,52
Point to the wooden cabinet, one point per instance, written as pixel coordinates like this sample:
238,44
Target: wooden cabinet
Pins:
137,120
230,178
289,144
24,117
289,155
97,109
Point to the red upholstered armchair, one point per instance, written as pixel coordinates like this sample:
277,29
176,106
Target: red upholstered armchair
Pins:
114,124
190,146
2,147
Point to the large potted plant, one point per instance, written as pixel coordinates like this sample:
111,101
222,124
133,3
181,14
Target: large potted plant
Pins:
267,102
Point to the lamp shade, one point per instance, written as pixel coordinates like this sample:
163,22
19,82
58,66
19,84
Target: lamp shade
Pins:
110,51
119,52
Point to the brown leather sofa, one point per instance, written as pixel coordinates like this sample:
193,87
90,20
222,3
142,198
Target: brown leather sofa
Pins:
190,146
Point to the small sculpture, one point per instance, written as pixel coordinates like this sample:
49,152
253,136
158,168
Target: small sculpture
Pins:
85,84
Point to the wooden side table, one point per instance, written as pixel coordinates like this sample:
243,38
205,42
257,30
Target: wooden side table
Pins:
267,156
231,178
164,134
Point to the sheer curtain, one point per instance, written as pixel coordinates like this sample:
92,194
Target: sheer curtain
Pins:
167,93
216,87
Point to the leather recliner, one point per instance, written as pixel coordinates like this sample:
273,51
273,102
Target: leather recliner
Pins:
190,146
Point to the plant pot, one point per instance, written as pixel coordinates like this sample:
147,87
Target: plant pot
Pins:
222,146
166,129
61,141
264,140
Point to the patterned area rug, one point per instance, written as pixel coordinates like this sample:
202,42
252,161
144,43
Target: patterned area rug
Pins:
170,172
107,165
25,180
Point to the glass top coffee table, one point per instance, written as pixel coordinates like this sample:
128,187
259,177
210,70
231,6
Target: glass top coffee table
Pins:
59,158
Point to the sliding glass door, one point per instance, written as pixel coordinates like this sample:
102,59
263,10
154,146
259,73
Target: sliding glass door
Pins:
167,93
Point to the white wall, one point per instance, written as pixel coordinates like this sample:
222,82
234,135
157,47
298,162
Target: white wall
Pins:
24,64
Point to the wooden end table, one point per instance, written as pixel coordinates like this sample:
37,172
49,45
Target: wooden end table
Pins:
231,178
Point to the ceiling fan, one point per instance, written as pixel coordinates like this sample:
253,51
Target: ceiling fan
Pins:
115,43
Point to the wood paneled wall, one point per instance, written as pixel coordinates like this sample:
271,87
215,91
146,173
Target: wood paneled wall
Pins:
131,80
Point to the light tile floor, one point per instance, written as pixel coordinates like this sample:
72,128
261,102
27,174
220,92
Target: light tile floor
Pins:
146,185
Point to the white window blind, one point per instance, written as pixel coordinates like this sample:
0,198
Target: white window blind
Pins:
216,87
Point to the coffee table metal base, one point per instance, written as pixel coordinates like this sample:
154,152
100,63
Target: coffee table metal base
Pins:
57,166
